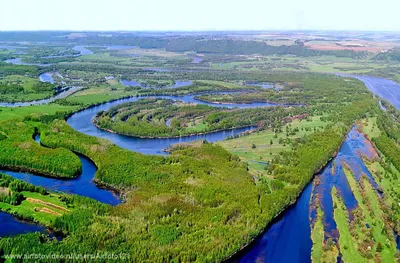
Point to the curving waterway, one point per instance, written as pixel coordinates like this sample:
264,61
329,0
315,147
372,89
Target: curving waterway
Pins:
11,226
82,122
291,231
81,185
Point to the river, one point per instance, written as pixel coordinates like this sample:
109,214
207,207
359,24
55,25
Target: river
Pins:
384,88
82,122
288,238
292,230
11,226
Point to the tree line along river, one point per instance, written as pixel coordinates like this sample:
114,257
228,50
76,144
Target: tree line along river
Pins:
290,231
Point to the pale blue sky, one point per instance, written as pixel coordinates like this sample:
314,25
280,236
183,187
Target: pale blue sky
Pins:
199,14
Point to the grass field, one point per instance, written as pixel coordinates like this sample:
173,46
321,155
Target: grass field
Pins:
320,250
370,127
256,149
371,214
27,83
43,209
347,245
20,112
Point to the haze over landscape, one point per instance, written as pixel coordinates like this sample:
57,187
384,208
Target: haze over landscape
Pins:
181,15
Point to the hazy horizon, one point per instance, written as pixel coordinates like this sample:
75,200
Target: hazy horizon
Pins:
182,16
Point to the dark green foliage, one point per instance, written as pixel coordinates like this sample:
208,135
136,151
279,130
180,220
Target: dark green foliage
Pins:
10,88
9,69
199,203
148,118
14,188
240,47
391,55
19,151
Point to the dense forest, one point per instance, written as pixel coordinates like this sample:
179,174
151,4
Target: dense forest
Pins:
200,202
201,44
175,203
19,151
166,118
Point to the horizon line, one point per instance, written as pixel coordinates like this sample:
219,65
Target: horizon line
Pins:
200,31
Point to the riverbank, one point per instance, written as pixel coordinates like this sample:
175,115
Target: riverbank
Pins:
246,247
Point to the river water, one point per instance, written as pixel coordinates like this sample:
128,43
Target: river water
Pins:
288,238
82,122
11,226
292,231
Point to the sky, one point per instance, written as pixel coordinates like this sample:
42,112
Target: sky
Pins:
200,15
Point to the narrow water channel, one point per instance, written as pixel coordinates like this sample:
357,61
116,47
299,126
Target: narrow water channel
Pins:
291,232
11,226
82,122
82,185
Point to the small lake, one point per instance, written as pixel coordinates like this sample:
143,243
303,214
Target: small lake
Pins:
47,77
264,85
196,59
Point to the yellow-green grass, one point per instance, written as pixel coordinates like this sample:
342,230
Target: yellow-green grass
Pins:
320,252
21,112
346,242
388,181
94,98
27,83
317,236
264,151
198,127
323,64
370,128
103,57
43,209
373,216
220,83
110,91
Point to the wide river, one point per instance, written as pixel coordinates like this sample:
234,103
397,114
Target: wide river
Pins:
291,231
